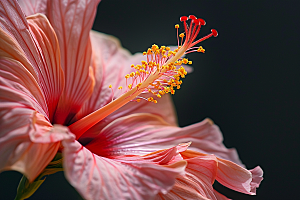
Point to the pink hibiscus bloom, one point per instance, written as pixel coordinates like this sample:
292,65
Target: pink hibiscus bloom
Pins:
61,91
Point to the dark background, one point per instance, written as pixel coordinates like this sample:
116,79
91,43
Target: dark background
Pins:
247,82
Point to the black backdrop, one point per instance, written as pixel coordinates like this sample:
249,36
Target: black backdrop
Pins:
247,82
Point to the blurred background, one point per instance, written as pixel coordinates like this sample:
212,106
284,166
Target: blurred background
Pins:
247,82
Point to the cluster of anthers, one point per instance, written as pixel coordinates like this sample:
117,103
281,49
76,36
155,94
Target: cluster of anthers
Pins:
163,68
160,74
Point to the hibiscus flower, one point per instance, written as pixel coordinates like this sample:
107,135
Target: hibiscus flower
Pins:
64,88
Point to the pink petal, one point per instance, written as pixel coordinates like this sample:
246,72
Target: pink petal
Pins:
24,124
97,177
161,157
17,150
51,72
20,87
31,7
36,47
197,181
238,178
72,21
144,133
257,177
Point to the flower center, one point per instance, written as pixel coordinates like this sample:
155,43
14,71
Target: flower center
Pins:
159,75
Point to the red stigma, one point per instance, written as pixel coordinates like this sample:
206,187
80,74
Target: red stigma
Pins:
183,18
214,32
202,21
192,30
192,17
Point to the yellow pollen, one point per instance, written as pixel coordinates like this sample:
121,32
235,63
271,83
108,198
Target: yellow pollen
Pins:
177,26
130,86
168,48
185,61
144,53
190,62
138,100
110,86
132,74
200,49
120,87
181,35
132,66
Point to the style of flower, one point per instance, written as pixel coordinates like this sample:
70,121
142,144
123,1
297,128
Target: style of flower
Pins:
61,90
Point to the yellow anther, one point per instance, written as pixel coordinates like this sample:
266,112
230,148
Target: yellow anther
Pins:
200,49
120,87
181,35
132,66
138,100
138,85
190,62
130,86
127,76
168,48
159,96
154,101
137,73
110,86
154,47
132,74
138,66
177,26
185,61
144,53
162,47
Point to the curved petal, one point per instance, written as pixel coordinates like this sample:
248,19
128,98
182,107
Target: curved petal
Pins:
72,21
237,178
197,181
96,177
23,123
144,133
161,157
257,177
35,45
51,73
31,7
